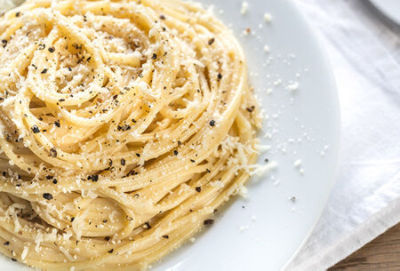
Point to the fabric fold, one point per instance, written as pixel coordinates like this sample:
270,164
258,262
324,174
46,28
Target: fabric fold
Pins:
365,56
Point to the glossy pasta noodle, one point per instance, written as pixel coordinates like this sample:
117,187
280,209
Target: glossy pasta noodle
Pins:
124,125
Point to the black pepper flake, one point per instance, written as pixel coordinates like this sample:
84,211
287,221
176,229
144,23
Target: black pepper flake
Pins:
77,47
124,128
107,238
219,76
93,178
53,152
49,177
61,100
18,14
132,172
211,41
212,123
266,160
162,17
250,109
4,42
51,49
111,250
57,123
138,154
165,236
6,243
44,71
115,96
72,219
123,162
193,161
147,225
198,189
208,171
48,196
35,129
175,152
13,259
133,120
154,56
208,222
55,181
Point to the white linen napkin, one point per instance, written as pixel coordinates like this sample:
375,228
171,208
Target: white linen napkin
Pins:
365,55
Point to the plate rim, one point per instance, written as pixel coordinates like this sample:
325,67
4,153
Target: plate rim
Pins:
333,89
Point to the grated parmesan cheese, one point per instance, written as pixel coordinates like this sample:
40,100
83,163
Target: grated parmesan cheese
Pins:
263,148
294,86
243,192
277,82
297,163
267,17
244,8
38,240
24,253
261,170
243,228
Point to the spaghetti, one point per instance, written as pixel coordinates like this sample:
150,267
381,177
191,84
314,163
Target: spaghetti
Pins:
124,125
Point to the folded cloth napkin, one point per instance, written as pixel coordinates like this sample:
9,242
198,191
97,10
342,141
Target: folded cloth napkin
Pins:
364,51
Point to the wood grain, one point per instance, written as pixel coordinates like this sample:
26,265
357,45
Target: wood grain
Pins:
383,253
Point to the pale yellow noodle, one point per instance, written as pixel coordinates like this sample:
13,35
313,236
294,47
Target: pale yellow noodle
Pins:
124,125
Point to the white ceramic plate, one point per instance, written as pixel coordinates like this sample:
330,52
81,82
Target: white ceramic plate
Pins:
265,230
389,8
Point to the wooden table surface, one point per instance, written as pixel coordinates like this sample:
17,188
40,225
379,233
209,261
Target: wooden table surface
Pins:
383,253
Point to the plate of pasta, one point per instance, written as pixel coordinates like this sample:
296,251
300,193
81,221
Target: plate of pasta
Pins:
163,134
